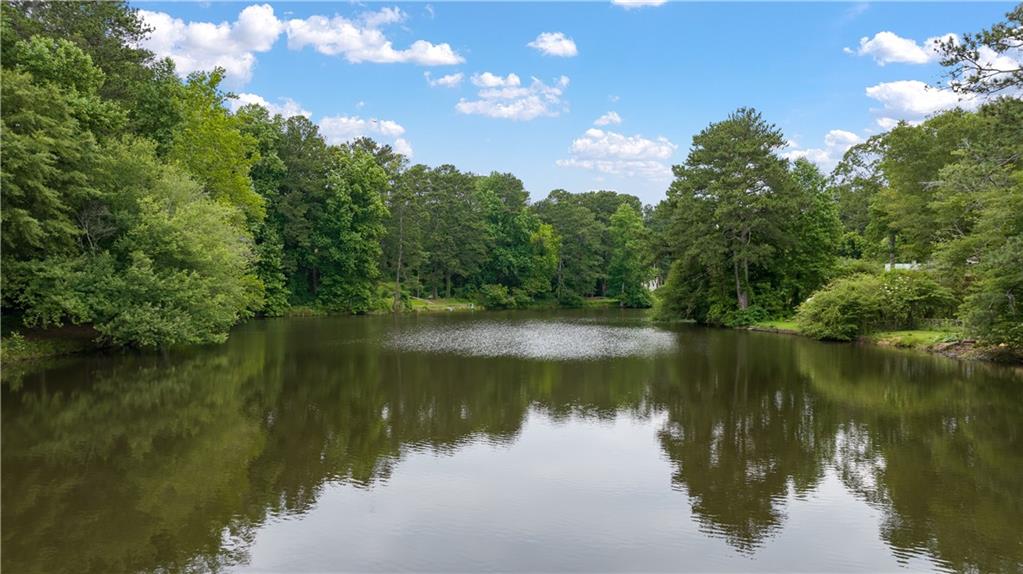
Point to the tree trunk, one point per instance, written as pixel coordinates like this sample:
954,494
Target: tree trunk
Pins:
397,272
561,273
447,283
891,250
740,293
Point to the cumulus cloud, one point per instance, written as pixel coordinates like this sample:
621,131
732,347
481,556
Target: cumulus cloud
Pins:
340,129
506,97
614,153
836,143
287,106
913,100
630,4
610,118
361,40
197,46
448,81
887,47
554,44
488,80
233,46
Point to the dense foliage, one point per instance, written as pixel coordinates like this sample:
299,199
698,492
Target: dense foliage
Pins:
852,306
751,236
139,204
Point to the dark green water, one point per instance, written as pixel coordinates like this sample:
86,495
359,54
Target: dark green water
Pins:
587,441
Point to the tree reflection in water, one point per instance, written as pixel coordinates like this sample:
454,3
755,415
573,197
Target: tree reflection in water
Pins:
173,462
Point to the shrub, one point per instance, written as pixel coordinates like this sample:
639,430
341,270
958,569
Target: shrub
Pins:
495,297
520,297
570,299
637,299
849,267
842,310
855,305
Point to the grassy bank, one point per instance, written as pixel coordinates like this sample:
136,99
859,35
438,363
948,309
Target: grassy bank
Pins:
948,342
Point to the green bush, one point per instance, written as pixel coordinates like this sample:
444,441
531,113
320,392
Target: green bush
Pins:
521,297
570,299
849,267
494,297
852,306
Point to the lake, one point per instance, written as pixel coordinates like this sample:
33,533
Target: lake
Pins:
520,441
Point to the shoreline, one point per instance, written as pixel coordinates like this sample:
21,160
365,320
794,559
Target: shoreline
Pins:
78,340
55,342
943,343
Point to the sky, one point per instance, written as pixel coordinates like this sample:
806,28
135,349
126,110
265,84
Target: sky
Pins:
575,95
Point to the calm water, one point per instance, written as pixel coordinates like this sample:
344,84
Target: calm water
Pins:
587,441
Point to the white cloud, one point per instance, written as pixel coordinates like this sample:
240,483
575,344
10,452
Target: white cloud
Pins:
887,47
914,100
233,46
836,143
197,46
630,4
608,119
287,108
402,146
614,153
448,81
554,44
340,129
488,80
506,98
361,40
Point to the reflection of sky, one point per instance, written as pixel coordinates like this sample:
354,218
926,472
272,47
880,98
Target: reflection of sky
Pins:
535,340
582,495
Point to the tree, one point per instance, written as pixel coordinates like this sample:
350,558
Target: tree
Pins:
913,156
987,62
603,204
457,234
348,233
404,251
855,181
170,268
268,174
210,145
732,200
628,271
809,258
979,218
579,262
108,32
300,197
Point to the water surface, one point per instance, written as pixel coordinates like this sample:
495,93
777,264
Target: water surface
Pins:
579,441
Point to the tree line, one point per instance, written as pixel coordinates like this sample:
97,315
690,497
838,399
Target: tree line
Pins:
139,204
750,236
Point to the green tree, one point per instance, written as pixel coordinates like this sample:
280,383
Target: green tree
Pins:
579,262
809,258
404,248
457,237
211,146
733,201
986,62
348,234
628,271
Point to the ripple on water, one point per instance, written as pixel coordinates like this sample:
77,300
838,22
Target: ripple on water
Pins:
535,340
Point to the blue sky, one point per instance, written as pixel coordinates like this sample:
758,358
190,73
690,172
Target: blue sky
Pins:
499,96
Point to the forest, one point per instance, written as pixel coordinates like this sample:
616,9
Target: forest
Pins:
138,204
